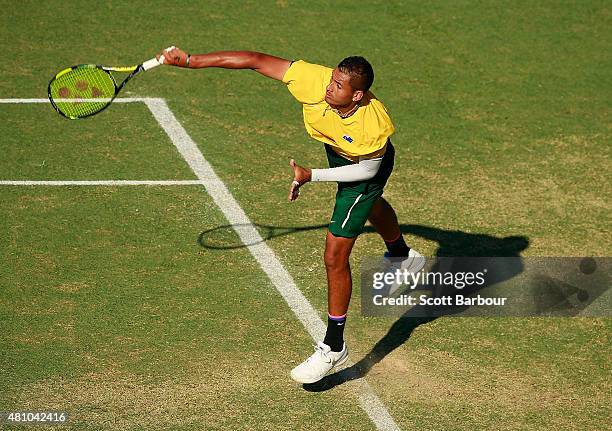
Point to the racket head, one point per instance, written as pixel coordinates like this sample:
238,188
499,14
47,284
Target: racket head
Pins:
82,90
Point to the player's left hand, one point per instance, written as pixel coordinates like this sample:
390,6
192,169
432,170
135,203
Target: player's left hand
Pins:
300,176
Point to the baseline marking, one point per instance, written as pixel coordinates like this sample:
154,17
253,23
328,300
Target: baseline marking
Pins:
103,183
117,100
267,259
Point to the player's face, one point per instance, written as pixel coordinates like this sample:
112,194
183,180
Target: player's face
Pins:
339,91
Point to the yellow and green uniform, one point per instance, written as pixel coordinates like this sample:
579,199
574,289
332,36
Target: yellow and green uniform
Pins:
364,134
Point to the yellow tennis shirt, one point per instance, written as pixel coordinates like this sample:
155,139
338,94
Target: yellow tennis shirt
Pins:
364,133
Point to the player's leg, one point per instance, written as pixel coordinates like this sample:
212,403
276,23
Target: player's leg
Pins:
350,214
398,255
384,219
339,287
332,351
339,281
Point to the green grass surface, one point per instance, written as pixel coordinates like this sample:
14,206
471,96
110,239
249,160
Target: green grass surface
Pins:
37,146
111,308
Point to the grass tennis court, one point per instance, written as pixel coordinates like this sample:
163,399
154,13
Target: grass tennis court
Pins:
138,307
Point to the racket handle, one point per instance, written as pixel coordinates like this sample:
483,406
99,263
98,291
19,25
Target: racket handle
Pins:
150,64
154,62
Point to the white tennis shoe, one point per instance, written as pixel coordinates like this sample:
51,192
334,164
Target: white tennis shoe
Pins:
319,364
413,263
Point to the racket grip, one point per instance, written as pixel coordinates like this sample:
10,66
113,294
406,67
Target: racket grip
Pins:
154,62
150,64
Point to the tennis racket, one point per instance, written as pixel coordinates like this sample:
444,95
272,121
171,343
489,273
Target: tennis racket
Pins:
86,89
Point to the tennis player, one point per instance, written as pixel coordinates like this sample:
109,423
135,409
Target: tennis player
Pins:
341,112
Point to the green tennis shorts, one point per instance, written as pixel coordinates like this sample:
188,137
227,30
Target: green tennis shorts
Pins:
355,200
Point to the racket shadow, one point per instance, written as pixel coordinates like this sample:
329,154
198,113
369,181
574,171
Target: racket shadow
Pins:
226,238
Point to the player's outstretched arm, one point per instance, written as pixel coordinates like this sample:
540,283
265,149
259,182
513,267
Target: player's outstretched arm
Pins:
268,65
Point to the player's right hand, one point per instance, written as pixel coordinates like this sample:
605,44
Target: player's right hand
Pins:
300,176
173,56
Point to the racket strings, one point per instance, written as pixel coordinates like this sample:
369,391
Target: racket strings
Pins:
82,91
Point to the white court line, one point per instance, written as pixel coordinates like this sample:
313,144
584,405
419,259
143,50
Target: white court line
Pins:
117,100
282,280
103,183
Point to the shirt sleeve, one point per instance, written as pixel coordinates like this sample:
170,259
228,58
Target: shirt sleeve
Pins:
307,82
379,125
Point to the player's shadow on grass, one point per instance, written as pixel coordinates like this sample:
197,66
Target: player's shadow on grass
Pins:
450,244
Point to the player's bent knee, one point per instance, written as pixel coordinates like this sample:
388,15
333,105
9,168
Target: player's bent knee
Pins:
335,262
337,252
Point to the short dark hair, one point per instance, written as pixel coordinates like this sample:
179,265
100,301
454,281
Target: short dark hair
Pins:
360,72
